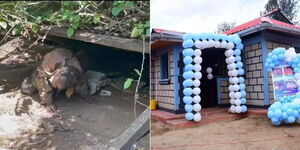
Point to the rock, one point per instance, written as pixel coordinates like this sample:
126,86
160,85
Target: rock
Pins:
10,46
105,93
96,81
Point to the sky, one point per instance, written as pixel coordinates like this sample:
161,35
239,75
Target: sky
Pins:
202,15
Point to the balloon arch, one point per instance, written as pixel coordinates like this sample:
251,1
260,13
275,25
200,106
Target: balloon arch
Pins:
193,44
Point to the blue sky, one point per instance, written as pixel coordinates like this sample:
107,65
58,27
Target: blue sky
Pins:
202,15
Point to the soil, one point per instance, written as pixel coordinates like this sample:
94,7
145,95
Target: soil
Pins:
26,125
251,133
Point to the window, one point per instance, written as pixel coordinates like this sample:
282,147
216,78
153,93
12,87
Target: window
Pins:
164,69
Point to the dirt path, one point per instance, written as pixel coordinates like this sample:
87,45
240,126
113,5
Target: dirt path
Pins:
252,133
24,124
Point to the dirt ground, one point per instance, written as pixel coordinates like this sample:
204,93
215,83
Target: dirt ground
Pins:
25,124
251,133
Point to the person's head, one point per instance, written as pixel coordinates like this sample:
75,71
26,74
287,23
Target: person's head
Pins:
65,77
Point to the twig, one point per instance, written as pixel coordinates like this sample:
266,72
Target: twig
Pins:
4,38
136,95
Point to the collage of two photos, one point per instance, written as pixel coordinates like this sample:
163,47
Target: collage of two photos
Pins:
150,75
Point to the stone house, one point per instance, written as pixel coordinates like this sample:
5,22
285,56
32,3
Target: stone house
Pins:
259,36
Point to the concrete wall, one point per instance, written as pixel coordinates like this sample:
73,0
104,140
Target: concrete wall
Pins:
163,93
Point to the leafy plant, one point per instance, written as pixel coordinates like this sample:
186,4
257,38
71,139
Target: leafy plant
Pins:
128,81
118,18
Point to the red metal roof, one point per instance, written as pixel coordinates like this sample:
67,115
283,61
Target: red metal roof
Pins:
259,21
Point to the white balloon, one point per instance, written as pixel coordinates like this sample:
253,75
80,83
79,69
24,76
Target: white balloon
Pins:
298,83
297,76
197,117
197,99
232,101
238,109
198,44
204,44
234,72
237,95
197,52
231,94
197,107
233,66
197,91
229,73
232,108
198,60
227,60
231,59
230,52
217,44
196,83
237,102
209,76
197,67
235,80
236,87
224,44
211,43
197,75
231,88
229,67
209,70
230,45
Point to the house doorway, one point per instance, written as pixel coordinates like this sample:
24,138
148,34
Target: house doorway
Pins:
214,58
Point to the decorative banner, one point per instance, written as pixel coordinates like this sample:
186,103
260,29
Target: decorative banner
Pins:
284,82
193,44
285,67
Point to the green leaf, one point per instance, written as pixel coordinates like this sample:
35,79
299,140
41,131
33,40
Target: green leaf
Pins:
16,30
136,32
3,25
76,18
127,83
116,10
70,32
97,18
137,71
129,4
147,32
75,25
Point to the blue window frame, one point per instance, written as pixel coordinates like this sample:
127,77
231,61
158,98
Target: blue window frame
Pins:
164,69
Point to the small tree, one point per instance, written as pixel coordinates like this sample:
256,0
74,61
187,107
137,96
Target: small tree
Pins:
224,26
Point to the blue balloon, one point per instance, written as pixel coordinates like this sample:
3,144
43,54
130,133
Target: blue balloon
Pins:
277,113
274,58
243,100
188,67
289,111
196,36
241,71
188,75
269,60
239,65
187,60
188,52
189,116
188,43
188,100
243,93
238,58
241,80
188,108
187,36
291,119
187,82
270,114
244,108
240,46
296,113
284,115
242,86
187,91
280,57
275,121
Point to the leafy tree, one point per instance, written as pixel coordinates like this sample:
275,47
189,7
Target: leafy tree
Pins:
224,26
288,7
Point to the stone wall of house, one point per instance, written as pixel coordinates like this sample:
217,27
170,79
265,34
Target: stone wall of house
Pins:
224,91
163,93
254,74
271,45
